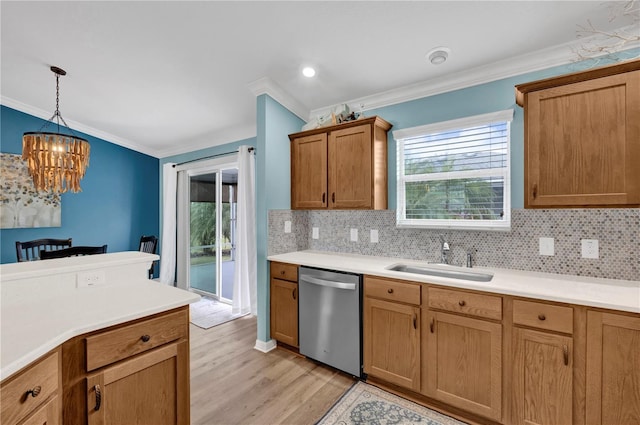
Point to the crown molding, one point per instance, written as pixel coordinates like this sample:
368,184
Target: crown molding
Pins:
562,54
266,85
76,126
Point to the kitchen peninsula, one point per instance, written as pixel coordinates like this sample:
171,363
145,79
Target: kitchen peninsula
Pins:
75,329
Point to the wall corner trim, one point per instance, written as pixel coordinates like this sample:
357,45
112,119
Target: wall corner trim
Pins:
265,346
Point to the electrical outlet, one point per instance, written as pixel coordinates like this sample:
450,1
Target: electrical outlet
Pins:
287,226
590,248
354,235
91,278
547,246
373,236
315,233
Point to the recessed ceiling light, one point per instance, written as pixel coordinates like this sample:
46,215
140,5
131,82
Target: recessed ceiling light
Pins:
308,71
438,55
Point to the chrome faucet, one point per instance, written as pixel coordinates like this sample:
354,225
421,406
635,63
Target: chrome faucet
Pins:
444,250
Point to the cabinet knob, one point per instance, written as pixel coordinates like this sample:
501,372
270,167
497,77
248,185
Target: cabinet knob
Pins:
541,316
390,290
34,391
282,272
145,338
462,303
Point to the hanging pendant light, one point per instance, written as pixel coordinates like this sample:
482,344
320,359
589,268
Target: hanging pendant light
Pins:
57,162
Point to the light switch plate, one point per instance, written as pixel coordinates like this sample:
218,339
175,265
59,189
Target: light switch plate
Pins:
287,226
354,235
373,237
590,248
547,246
315,233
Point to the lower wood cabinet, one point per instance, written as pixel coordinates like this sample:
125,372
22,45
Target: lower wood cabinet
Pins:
284,311
613,369
542,378
137,372
463,358
31,395
145,389
284,303
392,342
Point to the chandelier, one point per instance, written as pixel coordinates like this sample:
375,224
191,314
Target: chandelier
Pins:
57,162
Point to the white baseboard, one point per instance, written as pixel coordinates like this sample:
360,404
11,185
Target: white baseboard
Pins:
265,347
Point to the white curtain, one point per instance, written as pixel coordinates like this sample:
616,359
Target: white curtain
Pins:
244,280
168,248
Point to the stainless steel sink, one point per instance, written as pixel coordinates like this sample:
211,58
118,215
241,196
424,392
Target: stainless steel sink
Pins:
443,270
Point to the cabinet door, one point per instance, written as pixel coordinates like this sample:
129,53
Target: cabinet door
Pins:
391,342
613,369
464,363
284,311
350,168
542,378
309,172
582,143
151,388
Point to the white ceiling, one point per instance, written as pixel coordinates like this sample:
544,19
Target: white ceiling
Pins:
171,77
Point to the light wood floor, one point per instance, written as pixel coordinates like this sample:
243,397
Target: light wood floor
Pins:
232,383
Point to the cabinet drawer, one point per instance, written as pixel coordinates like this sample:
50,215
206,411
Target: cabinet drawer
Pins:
42,378
391,290
543,316
112,346
284,271
487,306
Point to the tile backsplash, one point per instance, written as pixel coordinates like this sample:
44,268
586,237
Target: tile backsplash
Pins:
617,232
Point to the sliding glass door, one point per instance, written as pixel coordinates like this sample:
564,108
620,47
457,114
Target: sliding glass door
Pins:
207,231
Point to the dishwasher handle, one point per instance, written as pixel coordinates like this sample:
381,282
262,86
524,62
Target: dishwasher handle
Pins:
329,283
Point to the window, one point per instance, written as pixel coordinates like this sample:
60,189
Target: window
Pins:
455,174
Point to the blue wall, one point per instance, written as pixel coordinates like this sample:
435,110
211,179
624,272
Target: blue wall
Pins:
117,203
273,189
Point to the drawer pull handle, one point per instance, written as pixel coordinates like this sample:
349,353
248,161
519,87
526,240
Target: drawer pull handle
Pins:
98,397
415,321
462,303
431,324
34,392
541,316
282,272
565,352
145,338
294,293
390,290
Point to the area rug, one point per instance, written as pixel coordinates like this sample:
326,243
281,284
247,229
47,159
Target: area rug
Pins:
366,404
208,313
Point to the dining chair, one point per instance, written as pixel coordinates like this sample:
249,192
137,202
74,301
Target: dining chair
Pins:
74,251
149,244
31,250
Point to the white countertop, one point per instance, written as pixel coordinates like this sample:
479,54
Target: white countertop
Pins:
41,307
613,294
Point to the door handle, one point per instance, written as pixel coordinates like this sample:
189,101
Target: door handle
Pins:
98,397
535,191
294,293
431,325
333,197
415,321
329,283
565,353
323,197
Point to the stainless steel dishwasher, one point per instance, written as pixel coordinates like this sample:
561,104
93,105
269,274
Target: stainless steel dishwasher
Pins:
329,311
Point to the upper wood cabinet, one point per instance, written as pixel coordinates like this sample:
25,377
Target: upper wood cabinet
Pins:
340,167
582,138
